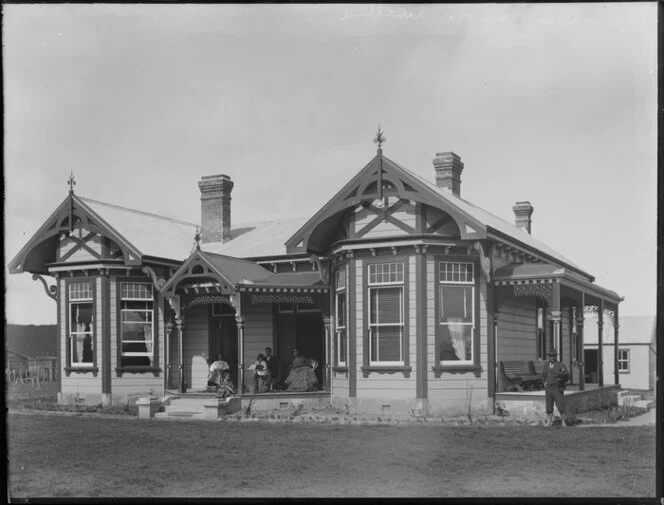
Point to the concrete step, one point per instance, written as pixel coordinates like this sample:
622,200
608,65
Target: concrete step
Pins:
644,404
183,414
628,399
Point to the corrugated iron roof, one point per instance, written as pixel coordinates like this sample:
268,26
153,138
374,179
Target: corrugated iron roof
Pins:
252,240
236,270
632,330
291,279
516,270
491,220
153,235
166,237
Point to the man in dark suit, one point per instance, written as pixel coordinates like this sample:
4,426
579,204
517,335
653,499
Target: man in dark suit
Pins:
274,367
555,380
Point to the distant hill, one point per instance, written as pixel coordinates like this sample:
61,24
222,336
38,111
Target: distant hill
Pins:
32,340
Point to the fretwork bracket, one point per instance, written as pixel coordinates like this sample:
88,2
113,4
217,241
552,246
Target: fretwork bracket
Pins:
51,291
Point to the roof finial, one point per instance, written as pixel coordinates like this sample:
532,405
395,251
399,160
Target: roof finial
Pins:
379,139
197,238
71,182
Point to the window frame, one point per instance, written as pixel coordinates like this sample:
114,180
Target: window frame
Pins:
156,314
472,364
341,361
390,367
622,360
85,367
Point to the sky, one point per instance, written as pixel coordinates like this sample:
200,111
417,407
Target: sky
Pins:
550,103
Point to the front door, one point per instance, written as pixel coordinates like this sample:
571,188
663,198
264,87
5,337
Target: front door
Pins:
223,337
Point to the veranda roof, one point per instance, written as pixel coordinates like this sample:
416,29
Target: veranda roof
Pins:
287,281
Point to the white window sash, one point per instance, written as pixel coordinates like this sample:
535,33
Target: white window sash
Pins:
378,325
471,324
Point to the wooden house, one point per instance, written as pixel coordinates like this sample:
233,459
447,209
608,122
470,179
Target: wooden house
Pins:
407,295
636,350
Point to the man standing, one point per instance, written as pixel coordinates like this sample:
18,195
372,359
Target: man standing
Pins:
555,379
274,366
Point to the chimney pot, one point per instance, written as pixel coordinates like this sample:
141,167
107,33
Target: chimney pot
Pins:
448,168
522,213
215,208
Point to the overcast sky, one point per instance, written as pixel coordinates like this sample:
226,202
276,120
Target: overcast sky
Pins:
555,104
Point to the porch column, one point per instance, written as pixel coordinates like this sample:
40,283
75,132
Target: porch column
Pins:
167,355
580,350
240,349
180,326
555,317
615,347
328,335
600,359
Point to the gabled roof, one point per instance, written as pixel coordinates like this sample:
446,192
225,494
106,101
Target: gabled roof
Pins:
252,240
632,330
226,270
494,222
474,222
151,234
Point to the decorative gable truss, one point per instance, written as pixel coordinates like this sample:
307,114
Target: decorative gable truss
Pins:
73,234
383,198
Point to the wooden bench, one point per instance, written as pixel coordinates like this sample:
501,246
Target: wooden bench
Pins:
520,375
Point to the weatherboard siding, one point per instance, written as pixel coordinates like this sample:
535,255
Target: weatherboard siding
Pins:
517,329
257,335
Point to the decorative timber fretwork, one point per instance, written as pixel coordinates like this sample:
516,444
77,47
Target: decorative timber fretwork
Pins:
51,291
385,213
541,288
485,260
323,265
157,281
73,216
381,175
208,300
282,298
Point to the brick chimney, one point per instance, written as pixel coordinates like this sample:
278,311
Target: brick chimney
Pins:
448,172
522,213
215,208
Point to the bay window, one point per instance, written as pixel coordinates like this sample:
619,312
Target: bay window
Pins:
386,313
456,313
137,324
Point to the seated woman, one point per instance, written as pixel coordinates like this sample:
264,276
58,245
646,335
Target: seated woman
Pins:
226,388
301,376
262,379
217,368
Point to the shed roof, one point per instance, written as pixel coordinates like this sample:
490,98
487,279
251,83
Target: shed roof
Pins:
632,330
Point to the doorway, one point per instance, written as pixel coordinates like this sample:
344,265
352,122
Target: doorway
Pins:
302,329
590,361
222,337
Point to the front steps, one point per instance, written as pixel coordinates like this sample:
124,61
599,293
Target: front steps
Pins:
192,406
629,398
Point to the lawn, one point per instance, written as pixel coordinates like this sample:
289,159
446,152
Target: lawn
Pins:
79,456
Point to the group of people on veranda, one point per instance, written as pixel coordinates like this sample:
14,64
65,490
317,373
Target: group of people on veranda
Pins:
268,374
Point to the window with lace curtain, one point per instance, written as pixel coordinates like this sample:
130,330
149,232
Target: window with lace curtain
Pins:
456,312
81,325
386,313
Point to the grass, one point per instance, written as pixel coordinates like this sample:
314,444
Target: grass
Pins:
25,396
74,456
